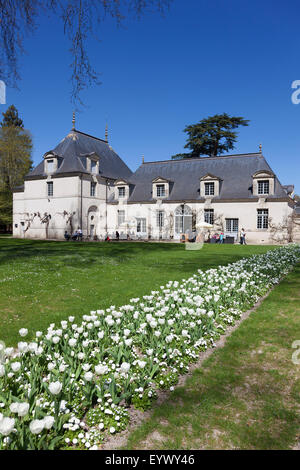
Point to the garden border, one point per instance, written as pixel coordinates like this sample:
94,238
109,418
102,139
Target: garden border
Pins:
137,417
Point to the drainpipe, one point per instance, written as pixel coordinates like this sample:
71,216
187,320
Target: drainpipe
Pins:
106,207
81,201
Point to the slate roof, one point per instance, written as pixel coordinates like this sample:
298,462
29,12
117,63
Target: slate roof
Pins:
71,152
235,173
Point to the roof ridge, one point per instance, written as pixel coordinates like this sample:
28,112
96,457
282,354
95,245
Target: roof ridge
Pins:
206,158
89,135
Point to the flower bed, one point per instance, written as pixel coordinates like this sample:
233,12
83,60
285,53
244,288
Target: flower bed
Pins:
71,387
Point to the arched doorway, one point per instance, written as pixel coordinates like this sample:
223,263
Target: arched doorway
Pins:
183,220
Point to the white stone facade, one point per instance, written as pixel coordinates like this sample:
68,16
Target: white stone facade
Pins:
53,202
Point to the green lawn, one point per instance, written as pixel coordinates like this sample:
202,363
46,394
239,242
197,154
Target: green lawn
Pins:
245,395
43,282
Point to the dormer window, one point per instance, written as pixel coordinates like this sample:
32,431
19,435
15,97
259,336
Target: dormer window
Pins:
263,187
91,162
160,190
50,163
94,166
121,191
263,183
209,186
50,166
209,189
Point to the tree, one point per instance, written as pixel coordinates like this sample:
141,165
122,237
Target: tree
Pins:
11,118
15,160
81,20
286,231
212,136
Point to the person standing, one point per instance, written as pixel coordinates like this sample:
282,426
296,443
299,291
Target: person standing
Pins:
222,237
243,237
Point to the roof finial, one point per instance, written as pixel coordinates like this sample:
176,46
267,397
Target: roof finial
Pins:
260,148
143,159
73,121
106,133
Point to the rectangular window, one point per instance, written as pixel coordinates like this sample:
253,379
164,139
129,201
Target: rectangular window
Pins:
160,190
209,189
93,166
50,188
263,187
209,216
121,191
232,225
141,225
262,218
50,166
121,217
160,219
93,189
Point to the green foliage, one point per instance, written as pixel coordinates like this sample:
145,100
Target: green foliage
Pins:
144,400
11,118
212,136
15,160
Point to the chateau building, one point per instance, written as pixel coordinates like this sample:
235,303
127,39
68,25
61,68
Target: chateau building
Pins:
83,183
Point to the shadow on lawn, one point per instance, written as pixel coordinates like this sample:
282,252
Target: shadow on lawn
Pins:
150,255
14,249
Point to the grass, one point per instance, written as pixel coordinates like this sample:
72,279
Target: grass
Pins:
246,395
43,282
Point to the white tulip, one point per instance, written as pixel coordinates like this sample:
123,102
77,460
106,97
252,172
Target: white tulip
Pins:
14,407
23,332
32,347
23,347
55,388
23,409
48,422
6,426
36,426
88,376
142,364
125,367
16,366
101,370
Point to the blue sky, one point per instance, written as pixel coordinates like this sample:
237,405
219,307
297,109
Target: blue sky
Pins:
160,74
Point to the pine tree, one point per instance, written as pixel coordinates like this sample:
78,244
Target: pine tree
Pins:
212,136
11,118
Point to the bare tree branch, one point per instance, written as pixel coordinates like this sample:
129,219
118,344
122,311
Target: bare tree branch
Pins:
81,20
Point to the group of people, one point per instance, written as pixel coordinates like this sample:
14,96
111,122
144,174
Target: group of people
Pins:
77,235
108,239
218,238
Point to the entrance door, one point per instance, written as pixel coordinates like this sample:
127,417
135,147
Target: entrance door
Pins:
232,228
92,231
183,220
